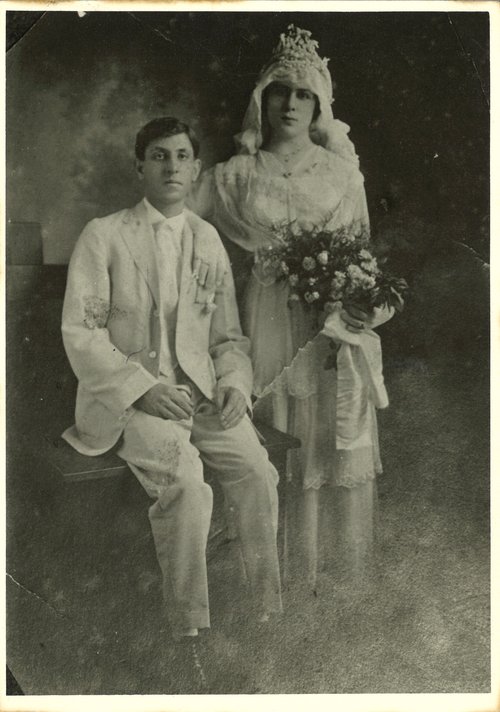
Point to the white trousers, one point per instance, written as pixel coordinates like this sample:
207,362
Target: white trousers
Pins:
167,458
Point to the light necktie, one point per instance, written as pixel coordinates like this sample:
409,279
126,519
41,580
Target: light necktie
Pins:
169,255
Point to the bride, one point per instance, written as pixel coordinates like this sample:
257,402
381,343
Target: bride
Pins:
296,164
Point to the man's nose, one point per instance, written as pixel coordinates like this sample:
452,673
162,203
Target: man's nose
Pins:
171,165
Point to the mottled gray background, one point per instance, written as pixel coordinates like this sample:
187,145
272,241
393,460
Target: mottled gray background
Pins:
413,87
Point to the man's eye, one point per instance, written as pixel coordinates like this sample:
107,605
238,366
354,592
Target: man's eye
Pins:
183,156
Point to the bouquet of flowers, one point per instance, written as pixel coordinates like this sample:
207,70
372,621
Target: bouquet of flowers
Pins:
329,269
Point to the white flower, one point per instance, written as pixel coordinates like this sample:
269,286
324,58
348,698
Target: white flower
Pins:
308,263
338,285
370,265
330,307
312,281
323,257
284,267
293,298
365,255
359,278
347,239
311,297
293,279
355,273
339,279
210,305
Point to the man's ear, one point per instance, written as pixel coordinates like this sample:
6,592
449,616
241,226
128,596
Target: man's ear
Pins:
196,169
139,167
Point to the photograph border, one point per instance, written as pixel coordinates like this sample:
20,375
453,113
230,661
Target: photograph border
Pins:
488,702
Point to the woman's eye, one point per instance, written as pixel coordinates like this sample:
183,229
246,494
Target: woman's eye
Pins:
304,94
158,156
279,90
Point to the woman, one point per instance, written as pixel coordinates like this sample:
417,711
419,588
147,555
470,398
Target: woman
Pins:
296,164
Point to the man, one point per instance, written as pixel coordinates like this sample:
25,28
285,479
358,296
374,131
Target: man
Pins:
162,365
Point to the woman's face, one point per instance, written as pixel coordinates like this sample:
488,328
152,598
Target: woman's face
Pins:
289,109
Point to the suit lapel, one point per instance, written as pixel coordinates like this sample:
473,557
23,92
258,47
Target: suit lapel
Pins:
137,234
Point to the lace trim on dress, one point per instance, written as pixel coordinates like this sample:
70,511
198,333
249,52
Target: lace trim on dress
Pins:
264,169
349,483
299,379
347,469
349,480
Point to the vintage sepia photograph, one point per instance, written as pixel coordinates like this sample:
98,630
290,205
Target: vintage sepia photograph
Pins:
247,329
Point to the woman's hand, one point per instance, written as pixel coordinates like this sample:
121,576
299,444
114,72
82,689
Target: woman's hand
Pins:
167,402
357,319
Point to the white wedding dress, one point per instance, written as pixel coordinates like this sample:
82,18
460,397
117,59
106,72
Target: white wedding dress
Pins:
331,497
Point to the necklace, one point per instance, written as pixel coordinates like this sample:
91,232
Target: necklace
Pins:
286,157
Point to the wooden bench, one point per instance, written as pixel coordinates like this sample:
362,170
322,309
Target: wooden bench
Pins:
74,467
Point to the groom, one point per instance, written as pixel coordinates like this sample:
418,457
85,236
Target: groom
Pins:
163,368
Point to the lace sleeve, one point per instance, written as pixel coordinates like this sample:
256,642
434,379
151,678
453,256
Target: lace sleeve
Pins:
359,205
353,208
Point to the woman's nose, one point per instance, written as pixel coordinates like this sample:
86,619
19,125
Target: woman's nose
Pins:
291,100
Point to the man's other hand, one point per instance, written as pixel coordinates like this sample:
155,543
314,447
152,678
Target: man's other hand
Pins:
231,404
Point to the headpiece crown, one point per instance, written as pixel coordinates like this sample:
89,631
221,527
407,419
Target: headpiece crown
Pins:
296,50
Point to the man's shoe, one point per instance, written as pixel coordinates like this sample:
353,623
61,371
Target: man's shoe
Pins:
190,666
196,661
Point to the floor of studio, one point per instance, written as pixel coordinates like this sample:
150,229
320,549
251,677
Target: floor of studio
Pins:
83,585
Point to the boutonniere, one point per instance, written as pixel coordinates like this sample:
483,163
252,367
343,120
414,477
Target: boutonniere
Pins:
210,305
206,298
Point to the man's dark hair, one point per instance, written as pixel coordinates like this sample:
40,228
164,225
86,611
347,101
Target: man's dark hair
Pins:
162,128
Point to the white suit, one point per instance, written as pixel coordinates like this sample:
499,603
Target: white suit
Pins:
112,331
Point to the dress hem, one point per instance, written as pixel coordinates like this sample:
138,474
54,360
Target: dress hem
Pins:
317,484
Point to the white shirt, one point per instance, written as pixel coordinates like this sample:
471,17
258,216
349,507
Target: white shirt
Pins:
168,244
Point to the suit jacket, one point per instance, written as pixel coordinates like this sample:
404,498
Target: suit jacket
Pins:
111,324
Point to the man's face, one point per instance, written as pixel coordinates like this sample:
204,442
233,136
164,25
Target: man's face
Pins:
168,171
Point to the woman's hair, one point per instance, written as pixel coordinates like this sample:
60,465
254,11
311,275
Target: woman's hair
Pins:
265,96
162,128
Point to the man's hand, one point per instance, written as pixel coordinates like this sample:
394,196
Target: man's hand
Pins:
231,404
167,402
357,320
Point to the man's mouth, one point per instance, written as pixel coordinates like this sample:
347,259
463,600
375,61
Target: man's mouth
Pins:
172,182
